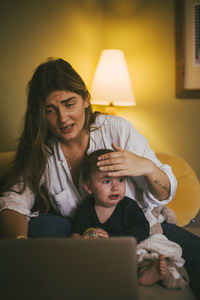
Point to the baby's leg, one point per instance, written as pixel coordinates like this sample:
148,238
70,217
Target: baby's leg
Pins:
155,273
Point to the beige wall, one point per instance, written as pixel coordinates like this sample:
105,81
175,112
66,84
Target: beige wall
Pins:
77,30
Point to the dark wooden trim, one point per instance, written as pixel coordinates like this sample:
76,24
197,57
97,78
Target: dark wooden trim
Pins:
181,91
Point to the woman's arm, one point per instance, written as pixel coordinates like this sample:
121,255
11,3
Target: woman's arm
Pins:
13,224
125,163
158,182
15,207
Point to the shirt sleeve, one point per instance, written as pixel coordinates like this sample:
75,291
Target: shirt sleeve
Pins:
136,222
21,203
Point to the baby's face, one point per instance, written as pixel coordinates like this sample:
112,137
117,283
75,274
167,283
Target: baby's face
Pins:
107,191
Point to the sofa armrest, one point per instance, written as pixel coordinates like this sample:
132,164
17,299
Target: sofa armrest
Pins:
186,202
5,162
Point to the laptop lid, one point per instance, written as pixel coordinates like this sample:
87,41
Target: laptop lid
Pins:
59,269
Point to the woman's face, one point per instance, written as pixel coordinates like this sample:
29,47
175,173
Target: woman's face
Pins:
65,113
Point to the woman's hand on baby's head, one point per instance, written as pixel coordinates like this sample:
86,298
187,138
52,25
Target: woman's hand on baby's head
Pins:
123,163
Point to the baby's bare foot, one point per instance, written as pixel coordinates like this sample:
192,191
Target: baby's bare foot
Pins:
155,273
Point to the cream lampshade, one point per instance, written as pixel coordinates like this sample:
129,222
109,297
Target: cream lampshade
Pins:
111,84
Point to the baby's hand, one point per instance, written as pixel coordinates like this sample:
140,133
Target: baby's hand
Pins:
101,233
76,236
95,233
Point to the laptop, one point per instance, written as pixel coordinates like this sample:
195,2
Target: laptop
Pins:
61,268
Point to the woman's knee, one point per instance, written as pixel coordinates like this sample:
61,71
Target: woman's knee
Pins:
49,225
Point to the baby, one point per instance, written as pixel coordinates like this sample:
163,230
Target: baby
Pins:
110,213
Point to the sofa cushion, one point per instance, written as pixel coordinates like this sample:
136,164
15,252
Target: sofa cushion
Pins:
5,162
186,202
157,292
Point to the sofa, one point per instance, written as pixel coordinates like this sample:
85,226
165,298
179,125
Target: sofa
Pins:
186,205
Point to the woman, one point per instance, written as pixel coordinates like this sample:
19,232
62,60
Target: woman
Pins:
59,129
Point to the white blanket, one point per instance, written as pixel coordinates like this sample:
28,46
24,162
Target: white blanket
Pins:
150,249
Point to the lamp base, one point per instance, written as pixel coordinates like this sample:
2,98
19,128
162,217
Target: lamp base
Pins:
110,109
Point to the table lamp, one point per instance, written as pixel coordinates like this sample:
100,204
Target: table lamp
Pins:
111,84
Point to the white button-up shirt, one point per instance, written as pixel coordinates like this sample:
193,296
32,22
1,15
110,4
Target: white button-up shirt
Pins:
57,180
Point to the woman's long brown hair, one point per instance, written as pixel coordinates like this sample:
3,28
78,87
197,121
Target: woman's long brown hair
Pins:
32,154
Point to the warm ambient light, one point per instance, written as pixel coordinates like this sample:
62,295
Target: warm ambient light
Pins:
111,83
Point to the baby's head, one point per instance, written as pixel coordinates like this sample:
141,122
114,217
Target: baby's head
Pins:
90,163
106,190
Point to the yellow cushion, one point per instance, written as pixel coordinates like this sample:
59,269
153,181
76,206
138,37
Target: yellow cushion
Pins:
186,202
